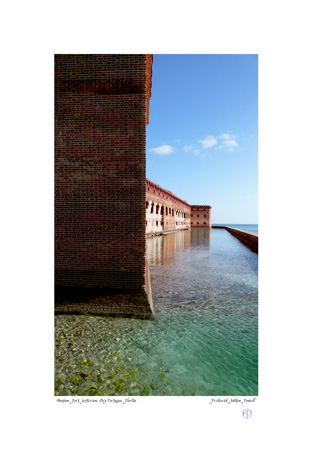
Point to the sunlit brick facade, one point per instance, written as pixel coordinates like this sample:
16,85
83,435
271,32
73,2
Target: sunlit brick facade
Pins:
167,212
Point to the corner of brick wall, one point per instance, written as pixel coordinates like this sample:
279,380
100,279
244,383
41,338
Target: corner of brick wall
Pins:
101,109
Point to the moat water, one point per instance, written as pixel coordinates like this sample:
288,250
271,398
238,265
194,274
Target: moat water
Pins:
202,341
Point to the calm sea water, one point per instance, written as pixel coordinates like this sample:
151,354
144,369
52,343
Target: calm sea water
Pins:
241,227
202,341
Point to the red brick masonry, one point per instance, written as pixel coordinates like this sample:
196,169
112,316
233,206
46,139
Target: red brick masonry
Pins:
101,111
167,212
201,216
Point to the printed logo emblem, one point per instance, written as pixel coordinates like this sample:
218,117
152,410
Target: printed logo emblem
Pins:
247,413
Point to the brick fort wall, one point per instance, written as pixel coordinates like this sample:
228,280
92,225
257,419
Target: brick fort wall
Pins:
200,216
165,211
101,112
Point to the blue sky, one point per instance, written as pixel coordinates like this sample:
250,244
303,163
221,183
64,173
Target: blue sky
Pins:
202,137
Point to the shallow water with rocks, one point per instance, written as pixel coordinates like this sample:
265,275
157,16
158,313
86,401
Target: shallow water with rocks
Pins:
203,339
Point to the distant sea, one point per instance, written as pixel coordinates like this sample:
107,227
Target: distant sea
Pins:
240,227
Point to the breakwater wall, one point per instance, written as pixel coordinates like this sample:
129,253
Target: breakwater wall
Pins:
248,238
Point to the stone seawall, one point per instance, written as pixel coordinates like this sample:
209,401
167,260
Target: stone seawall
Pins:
249,238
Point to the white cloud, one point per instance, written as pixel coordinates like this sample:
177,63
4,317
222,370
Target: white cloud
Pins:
225,141
190,149
225,136
228,142
162,150
209,142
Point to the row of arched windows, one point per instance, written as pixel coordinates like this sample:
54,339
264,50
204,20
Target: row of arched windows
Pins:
161,210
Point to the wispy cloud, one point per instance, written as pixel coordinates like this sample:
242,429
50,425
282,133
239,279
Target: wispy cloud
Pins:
225,136
225,141
162,150
228,142
190,149
208,142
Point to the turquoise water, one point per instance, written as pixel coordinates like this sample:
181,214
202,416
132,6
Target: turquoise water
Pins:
241,227
202,341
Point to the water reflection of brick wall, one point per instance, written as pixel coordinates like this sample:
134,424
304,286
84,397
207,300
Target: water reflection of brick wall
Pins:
201,235
167,212
163,249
